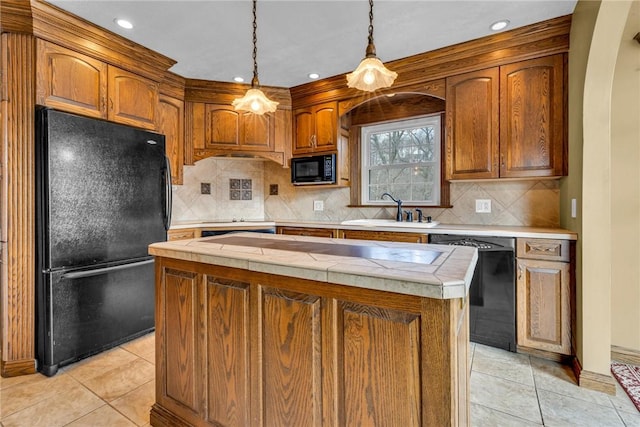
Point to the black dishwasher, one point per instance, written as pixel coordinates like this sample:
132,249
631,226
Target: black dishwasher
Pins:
492,300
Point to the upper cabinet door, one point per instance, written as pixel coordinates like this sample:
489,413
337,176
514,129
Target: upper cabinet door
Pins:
326,124
532,111
472,111
257,132
132,99
316,128
171,124
304,132
222,126
69,81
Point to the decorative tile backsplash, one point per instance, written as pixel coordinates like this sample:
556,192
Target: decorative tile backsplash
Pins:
240,189
520,203
236,189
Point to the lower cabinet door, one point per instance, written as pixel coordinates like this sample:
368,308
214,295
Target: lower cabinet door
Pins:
544,305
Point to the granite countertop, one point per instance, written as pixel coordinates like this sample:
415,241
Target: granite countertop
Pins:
433,271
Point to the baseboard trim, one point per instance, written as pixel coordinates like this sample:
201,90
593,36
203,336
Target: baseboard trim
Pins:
16,368
597,382
625,355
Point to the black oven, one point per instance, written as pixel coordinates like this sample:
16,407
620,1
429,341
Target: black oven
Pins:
313,170
492,295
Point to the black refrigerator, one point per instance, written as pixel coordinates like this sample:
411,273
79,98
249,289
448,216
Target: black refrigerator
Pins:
103,194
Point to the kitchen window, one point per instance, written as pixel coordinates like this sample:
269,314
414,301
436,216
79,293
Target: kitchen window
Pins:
402,158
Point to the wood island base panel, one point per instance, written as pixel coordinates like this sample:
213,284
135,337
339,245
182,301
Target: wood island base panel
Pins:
236,347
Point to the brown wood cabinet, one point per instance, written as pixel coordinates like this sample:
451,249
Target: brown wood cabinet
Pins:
508,121
387,236
171,123
132,99
229,129
73,82
240,348
218,129
308,231
70,81
544,295
315,128
472,122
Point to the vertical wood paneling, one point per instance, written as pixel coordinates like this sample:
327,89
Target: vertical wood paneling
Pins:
17,111
180,332
381,360
227,324
292,359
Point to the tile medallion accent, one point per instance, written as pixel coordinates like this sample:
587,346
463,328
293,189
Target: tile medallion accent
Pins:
205,188
273,189
234,184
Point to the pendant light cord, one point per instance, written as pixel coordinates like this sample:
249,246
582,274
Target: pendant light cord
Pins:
254,81
371,49
370,21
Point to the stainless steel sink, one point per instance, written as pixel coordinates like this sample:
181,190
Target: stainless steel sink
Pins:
389,223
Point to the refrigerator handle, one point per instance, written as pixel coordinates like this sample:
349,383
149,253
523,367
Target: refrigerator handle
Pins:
98,271
168,197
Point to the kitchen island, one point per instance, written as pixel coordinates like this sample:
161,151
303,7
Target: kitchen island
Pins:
272,330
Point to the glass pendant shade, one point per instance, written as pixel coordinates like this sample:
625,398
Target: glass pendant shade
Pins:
371,75
255,101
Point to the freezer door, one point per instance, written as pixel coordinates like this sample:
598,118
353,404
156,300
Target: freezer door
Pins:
102,190
83,312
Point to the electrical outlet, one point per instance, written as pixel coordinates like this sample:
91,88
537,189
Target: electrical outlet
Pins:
483,206
318,205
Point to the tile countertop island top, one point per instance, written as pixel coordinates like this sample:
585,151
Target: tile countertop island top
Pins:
432,271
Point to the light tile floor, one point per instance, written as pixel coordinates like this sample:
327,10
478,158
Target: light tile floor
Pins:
116,388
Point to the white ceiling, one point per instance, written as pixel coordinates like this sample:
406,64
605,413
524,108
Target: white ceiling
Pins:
212,39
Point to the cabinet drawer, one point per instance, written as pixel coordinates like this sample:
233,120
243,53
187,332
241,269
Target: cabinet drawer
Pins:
181,234
302,231
385,236
549,249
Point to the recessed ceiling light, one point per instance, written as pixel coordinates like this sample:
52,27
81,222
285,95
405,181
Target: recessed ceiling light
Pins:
123,23
499,25
238,79
314,75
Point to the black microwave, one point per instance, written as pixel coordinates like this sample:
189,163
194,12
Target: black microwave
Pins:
313,170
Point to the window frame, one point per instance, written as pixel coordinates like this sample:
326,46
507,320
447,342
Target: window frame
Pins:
436,120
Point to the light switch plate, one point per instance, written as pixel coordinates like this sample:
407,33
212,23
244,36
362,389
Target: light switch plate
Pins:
483,205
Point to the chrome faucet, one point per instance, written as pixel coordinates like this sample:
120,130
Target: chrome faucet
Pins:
399,202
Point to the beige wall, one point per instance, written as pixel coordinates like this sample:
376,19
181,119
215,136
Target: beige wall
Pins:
625,189
582,24
595,322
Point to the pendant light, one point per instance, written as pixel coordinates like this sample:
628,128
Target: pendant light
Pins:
255,101
371,74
